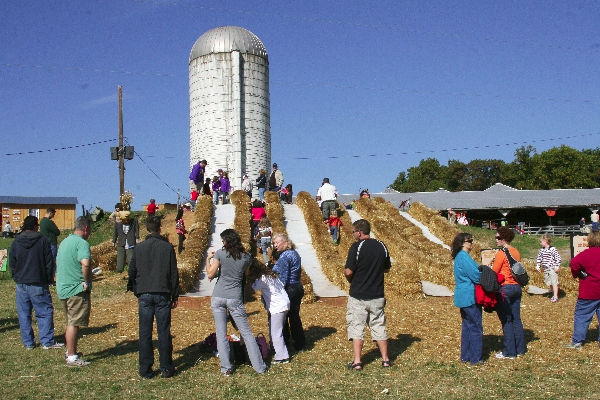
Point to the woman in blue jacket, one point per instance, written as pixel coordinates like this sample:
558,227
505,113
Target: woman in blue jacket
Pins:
466,275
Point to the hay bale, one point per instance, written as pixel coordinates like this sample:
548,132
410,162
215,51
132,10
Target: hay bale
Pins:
190,260
104,256
331,262
416,258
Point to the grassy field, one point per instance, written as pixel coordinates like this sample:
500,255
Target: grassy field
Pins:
424,345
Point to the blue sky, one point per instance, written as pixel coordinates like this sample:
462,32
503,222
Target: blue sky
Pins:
378,85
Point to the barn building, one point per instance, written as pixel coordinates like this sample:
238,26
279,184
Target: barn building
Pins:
16,208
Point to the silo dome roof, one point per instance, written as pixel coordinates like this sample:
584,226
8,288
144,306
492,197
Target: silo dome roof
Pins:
226,39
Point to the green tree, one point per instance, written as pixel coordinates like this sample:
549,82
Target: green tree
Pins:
455,176
428,176
481,174
564,168
520,173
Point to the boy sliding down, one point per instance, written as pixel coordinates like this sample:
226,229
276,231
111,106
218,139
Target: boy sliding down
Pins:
334,223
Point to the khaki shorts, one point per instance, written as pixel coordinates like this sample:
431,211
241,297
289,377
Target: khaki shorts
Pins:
361,313
550,277
77,309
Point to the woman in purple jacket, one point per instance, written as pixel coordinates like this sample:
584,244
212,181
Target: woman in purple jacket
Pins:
225,187
216,187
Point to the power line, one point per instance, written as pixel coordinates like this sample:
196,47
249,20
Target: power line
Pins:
58,148
487,146
151,170
370,26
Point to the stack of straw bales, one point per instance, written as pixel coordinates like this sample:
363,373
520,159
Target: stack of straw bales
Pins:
331,261
274,212
189,262
415,258
104,256
243,217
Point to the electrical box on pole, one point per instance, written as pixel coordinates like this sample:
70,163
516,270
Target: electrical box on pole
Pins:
114,153
129,152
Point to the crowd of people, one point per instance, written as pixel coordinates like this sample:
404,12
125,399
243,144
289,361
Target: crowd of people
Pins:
468,275
36,263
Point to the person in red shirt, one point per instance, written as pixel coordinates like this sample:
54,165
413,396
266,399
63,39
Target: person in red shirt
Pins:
586,267
152,207
194,197
334,223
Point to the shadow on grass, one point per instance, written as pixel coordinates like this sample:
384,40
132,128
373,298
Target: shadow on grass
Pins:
192,355
122,348
9,324
396,347
315,333
495,343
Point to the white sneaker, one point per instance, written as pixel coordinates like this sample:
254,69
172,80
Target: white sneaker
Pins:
76,361
54,345
503,357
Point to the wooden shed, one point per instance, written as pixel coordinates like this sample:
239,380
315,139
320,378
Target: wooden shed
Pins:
16,208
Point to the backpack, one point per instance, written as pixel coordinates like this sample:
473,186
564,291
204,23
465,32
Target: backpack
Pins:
517,269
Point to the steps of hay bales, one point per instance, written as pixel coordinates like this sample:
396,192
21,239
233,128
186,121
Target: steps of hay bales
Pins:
426,232
429,288
222,219
298,232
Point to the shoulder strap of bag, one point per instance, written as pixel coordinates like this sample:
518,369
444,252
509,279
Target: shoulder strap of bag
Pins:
509,256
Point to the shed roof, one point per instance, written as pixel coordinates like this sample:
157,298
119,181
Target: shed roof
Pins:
37,200
498,196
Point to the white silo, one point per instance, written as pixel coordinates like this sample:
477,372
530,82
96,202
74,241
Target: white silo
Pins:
229,103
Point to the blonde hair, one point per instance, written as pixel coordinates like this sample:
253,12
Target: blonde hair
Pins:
286,239
593,239
547,238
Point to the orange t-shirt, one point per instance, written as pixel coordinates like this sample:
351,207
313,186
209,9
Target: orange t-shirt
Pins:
502,266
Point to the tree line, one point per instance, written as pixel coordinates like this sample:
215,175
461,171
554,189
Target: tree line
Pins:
557,168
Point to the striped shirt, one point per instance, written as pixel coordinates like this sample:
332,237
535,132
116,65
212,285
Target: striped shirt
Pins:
548,258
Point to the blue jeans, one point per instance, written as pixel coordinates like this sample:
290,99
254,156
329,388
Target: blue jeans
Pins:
471,339
157,305
584,312
333,230
509,312
219,306
216,196
261,193
54,249
265,243
36,297
295,293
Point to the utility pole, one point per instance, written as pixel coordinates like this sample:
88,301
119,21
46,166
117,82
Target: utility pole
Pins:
121,155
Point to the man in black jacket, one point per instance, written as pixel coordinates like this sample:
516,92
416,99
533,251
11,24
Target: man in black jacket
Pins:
154,279
32,268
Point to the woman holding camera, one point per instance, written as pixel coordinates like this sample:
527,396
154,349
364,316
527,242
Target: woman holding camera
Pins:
586,267
229,265
509,309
